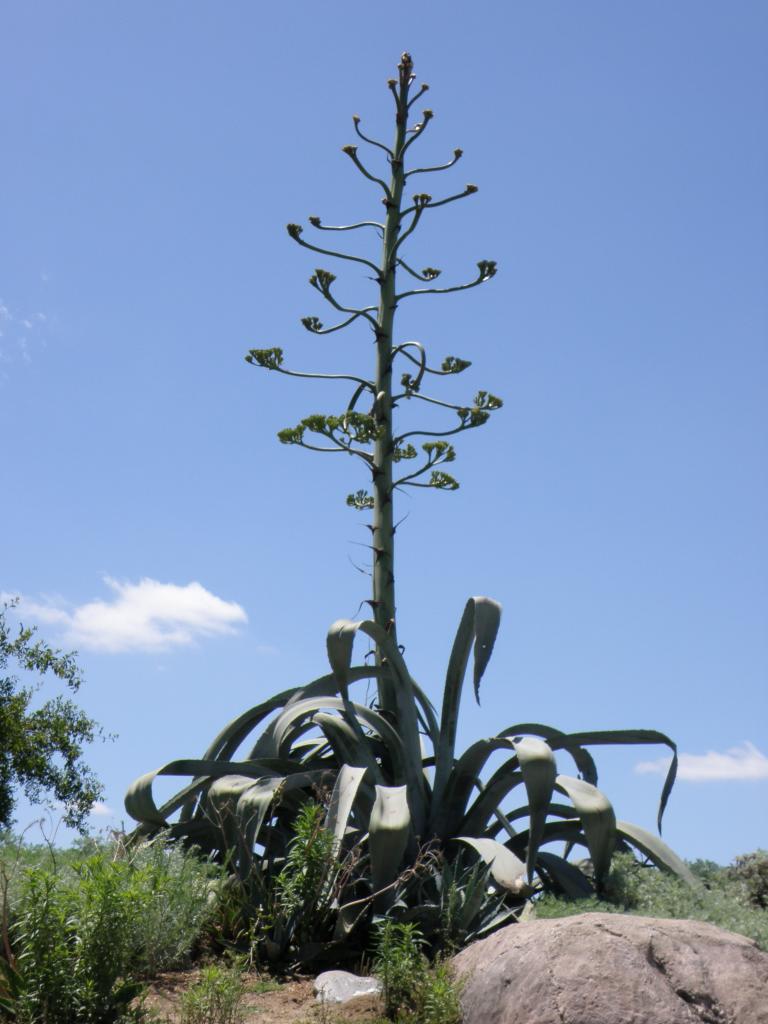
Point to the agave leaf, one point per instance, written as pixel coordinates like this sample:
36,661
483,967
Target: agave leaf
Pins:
573,882
140,804
537,764
355,713
449,805
397,698
349,746
656,850
389,830
632,737
477,820
597,817
342,801
507,870
479,623
558,740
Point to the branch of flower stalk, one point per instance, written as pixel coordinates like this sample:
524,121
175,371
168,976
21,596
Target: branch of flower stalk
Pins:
418,130
372,142
315,326
457,155
317,223
468,191
295,230
351,152
487,269
427,274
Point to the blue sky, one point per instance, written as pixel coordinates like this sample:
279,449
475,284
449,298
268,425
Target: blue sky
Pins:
616,507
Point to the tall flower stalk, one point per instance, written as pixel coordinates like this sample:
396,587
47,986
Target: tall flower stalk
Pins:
372,436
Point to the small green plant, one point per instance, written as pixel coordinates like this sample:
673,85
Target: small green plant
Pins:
216,998
413,990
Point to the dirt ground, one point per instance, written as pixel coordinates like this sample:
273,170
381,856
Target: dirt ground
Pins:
292,1003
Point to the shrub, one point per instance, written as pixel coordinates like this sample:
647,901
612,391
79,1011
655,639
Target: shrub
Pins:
751,870
83,931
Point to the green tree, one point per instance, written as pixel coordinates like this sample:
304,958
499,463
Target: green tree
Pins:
41,747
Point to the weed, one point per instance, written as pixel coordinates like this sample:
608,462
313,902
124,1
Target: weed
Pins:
215,999
414,992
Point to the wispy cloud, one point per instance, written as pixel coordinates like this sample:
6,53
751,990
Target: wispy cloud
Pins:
143,616
15,331
100,810
738,764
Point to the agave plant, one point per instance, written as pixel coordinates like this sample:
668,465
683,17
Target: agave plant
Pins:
398,788
406,811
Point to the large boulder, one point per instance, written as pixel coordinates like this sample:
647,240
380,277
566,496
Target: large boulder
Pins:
613,969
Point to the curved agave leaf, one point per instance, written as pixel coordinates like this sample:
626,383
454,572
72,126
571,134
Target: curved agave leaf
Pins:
389,830
537,764
449,806
350,748
479,623
597,817
397,698
507,870
140,804
656,850
572,881
632,737
558,740
479,818
342,800
355,713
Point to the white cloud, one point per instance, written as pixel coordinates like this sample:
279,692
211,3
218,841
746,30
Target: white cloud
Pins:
738,763
100,810
143,616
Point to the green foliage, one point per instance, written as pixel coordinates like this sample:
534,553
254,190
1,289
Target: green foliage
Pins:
216,998
41,747
720,897
413,990
410,826
751,871
83,930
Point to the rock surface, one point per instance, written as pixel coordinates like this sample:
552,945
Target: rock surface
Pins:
613,969
341,986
